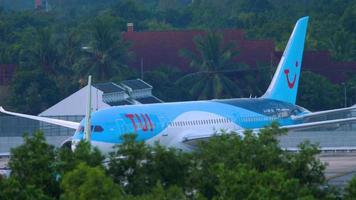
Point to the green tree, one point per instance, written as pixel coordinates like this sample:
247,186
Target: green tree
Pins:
172,17
32,165
341,47
67,159
130,164
169,166
12,189
235,166
44,51
131,11
70,48
165,5
163,80
106,54
155,25
32,91
318,93
350,190
255,81
209,13
212,62
39,50
127,165
256,152
138,167
158,192
86,182
305,167
244,182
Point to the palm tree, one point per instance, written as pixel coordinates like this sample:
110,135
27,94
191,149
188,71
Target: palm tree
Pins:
70,48
44,52
213,61
106,54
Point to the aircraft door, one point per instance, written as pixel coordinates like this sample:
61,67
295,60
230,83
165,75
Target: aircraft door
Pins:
236,118
163,123
122,126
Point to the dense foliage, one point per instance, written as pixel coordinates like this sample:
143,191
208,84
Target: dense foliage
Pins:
229,166
213,59
78,37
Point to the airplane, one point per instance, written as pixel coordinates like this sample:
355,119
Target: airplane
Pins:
179,124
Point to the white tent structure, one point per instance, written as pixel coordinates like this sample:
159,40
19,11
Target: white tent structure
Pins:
75,104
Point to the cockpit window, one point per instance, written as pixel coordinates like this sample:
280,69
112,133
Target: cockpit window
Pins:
93,128
80,129
98,129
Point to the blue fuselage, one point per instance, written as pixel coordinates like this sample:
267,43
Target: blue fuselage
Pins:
151,120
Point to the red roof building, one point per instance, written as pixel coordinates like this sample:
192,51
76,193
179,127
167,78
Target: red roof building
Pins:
153,49
38,4
6,73
157,48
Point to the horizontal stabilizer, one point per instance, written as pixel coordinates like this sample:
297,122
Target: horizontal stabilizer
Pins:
319,124
325,112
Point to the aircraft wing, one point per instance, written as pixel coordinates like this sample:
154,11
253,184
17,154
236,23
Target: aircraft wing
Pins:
64,123
325,113
6,154
193,138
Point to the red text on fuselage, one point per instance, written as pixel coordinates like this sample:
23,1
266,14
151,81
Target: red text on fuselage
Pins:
142,121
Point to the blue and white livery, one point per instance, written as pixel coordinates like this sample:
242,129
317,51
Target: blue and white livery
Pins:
178,124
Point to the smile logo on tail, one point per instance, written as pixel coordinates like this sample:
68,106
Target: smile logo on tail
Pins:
291,83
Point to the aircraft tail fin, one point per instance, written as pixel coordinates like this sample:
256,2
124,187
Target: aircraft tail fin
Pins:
284,85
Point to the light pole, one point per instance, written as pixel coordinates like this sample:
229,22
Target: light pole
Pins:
345,95
352,94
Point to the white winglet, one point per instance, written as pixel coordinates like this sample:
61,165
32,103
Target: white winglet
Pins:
64,123
2,109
